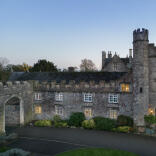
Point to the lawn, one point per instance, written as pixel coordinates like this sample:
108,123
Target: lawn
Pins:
96,152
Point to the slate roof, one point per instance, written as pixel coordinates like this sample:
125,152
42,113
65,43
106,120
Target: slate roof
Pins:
58,76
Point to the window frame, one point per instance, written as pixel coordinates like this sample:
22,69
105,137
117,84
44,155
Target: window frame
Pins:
38,110
113,98
90,112
88,97
113,113
59,96
38,96
59,110
125,87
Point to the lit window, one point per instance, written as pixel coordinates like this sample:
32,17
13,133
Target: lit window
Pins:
113,98
88,112
113,114
125,87
88,97
38,96
58,96
58,110
38,110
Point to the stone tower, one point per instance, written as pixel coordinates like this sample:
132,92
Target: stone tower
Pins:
140,75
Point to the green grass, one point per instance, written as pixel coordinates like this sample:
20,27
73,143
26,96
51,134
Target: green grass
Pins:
3,149
96,152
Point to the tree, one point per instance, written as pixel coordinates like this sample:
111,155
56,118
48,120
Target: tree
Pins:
44,66
72,69
3,62
87,65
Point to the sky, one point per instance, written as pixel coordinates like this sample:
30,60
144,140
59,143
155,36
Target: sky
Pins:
67,31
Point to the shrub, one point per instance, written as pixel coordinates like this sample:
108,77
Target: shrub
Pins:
43,123
124,129
88,124
123,120
61,124
150,119
102,123
76,119
56,118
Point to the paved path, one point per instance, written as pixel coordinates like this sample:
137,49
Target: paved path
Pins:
50,141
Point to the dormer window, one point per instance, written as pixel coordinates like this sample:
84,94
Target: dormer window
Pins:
125,87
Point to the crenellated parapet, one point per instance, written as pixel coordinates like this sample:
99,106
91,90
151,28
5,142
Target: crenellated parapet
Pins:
72,86
140,35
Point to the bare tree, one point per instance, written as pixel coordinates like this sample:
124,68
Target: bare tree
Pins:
87,65
3,62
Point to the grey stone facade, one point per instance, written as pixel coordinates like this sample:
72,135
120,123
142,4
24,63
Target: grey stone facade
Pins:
124,86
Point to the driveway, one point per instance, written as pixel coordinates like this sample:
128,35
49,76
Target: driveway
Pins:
50,141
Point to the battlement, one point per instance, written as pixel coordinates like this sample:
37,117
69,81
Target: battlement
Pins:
140,35
13,84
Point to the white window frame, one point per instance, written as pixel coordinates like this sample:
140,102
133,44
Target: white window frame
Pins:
59,110
89,114
113,98
88,97
113,114
38,96
59,96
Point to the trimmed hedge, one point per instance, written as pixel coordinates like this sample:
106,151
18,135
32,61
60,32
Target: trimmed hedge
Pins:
124,129
102,123
123,120
88,124
76,119
43,123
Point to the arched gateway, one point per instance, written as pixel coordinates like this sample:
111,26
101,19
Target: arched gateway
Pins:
15,104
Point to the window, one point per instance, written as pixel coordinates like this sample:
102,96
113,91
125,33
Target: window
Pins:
88,97
59,110
115,66
113,114
59,96
113,98
88,112
38,109
125,87
38,96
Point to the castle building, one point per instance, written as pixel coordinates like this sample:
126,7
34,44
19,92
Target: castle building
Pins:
125,86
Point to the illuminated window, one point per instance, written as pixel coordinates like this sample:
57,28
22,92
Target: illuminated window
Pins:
38,96
88,112
58,96
88,97
151,111
113,114
38,110
58,110
113,98
125,87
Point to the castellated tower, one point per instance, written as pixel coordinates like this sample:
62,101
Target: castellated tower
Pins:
140,75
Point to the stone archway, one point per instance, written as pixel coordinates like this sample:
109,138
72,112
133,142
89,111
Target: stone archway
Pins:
13,111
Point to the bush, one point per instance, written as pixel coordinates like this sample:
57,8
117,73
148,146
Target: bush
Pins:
124,129
76,119
43,123
123,120
102,123
88,124
56,118
150,119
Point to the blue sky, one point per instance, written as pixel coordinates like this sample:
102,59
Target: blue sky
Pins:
67,31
